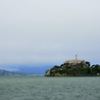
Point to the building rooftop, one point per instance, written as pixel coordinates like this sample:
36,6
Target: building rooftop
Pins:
73,61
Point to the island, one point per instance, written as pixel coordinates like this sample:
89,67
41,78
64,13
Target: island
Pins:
74,67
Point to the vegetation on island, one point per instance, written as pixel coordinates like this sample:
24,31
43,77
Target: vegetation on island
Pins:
72,68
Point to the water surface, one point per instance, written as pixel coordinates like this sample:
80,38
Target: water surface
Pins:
49,88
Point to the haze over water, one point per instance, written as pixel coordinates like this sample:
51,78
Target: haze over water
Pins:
49,88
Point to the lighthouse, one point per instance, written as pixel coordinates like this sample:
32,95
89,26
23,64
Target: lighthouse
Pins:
76,58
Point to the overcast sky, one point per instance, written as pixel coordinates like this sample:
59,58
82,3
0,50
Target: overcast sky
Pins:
49,31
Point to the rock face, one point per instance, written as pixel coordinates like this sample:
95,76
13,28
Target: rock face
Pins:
73,68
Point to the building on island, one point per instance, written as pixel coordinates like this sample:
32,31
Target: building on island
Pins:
74,60
78,62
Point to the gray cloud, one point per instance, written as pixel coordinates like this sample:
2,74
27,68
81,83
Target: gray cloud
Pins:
49,31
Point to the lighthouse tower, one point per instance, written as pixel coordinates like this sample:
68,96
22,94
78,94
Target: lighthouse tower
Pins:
76,58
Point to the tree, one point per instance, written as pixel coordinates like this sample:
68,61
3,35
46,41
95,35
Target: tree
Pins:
88,63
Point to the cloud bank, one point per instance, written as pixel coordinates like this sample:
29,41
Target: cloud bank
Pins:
41,31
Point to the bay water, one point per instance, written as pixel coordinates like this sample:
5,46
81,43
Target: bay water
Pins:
49,88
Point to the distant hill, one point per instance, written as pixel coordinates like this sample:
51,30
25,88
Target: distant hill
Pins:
8,73
28,69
